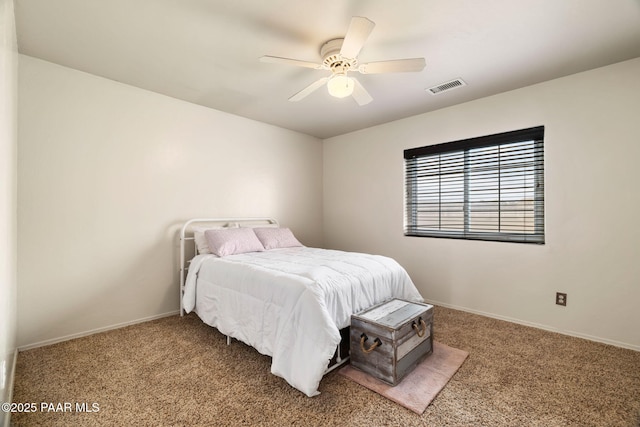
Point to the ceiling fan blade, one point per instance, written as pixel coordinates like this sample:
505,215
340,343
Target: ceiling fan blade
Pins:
357,34
360,94
309,89
393,66
289,61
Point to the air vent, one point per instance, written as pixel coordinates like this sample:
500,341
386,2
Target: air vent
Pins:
446,86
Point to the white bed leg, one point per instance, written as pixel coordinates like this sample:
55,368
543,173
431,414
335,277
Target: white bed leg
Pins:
339,360
228,340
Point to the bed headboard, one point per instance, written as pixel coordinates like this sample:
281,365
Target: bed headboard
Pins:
188,248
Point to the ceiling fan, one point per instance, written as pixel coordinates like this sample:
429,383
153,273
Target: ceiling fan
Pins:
340,56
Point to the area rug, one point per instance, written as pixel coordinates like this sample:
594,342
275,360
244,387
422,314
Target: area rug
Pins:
418,389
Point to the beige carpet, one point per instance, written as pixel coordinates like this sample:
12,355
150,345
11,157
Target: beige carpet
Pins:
421,385
179,372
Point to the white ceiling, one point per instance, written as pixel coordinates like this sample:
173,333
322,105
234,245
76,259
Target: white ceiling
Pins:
206,51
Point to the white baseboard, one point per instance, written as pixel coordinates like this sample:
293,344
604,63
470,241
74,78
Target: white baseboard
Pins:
96,331
442,304
5,421
539,326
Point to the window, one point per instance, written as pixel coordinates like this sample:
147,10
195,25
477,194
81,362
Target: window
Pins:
486,188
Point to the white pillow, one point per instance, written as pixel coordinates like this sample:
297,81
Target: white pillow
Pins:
233,241
201,240
273,238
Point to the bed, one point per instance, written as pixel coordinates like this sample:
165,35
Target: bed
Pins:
286,300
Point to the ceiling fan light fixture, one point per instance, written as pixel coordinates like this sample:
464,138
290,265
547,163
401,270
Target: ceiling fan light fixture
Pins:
340,56
340,86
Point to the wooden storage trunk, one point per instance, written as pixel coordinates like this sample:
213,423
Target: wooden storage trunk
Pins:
390,339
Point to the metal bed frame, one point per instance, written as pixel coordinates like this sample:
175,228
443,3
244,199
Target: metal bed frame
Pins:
187,239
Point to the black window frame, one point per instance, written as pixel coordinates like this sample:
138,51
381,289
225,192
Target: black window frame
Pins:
420,171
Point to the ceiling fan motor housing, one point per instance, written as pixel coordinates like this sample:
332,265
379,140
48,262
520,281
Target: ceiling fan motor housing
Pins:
333,60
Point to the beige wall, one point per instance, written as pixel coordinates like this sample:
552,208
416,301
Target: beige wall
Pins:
592,148
107,174
8,174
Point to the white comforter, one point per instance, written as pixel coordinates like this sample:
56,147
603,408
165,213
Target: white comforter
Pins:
290,303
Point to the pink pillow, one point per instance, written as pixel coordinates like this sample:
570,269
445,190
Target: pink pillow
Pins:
233,241
273,238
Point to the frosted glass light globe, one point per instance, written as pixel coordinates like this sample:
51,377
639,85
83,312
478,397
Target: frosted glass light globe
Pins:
340,86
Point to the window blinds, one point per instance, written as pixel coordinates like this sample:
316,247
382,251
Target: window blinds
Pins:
486,188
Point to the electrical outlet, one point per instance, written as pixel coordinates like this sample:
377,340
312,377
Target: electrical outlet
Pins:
561,299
